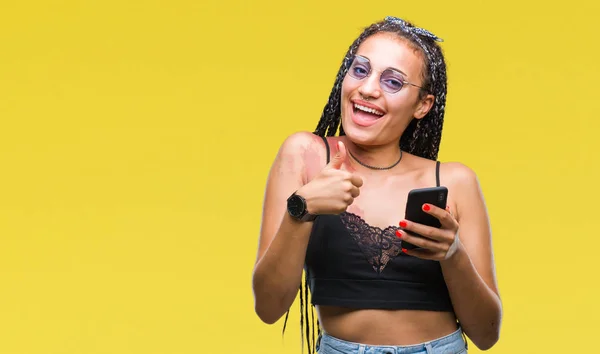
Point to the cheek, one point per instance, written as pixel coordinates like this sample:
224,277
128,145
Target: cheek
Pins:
398,107
404,103
402,109
346,89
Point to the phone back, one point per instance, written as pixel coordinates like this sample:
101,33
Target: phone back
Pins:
437,196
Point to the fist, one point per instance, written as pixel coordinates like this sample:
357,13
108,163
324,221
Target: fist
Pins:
333,190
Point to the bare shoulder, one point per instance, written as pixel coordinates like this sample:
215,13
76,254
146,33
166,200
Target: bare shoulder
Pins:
454,175
464,186
458,175
303,151
300,141
302,147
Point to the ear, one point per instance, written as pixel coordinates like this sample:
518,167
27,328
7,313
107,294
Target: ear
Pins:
424,106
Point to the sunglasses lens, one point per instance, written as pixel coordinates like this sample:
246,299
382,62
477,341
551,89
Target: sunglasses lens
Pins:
391,81
359,69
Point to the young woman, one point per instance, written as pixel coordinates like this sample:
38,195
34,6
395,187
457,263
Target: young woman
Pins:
334,206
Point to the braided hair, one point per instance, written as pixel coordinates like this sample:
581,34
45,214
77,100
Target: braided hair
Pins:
421,137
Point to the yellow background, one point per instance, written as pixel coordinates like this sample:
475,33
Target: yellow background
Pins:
136,137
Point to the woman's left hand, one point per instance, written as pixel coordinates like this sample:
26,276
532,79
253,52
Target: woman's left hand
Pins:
437,243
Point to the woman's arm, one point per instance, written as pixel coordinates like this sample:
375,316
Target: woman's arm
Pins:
463,246
283,240
470,272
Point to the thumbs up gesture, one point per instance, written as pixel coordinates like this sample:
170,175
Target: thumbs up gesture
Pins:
333,189
338,160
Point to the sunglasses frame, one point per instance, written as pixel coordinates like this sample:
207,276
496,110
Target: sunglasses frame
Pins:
371,70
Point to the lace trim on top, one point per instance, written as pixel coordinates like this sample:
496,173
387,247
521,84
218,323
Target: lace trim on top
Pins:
378,245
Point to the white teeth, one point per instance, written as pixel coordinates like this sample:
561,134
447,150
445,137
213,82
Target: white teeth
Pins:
368,110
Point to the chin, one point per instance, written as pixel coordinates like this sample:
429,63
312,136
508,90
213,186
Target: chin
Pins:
361,135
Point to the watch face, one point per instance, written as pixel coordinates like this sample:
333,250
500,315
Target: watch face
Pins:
296,206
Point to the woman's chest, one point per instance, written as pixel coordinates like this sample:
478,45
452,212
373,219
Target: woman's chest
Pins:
382,202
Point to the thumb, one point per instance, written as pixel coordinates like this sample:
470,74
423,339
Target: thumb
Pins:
339,157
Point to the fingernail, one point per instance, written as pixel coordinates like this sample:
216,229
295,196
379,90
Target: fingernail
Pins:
398,233
426,207
404,250
402,223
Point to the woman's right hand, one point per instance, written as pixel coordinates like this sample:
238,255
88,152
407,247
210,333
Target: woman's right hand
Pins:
333,189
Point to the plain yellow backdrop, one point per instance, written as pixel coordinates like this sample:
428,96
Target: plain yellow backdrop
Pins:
136,137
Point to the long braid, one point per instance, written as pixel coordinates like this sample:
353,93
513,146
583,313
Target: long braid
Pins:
421,137
307,331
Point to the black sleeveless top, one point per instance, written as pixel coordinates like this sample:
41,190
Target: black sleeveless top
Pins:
350,263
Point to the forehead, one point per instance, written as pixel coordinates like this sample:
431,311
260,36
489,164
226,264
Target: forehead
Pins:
388,50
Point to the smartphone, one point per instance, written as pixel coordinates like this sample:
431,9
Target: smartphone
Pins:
437,196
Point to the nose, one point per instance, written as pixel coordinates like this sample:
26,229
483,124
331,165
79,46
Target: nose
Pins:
370,87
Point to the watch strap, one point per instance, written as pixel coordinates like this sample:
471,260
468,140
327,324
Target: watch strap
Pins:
308,217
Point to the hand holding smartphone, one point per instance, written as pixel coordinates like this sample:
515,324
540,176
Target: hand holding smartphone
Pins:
437,196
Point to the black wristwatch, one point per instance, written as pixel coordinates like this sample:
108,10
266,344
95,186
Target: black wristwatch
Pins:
296,207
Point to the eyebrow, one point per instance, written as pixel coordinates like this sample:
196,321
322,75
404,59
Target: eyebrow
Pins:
398,70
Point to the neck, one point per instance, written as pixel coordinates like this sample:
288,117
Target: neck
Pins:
375,157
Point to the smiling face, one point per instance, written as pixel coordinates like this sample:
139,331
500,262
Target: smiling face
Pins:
380,93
